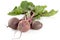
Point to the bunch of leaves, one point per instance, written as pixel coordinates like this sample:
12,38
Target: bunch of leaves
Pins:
39,11
22,8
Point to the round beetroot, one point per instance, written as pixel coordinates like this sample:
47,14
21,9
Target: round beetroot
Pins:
23,26
13,23
36,25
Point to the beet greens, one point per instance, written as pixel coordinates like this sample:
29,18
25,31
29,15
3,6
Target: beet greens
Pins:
31,12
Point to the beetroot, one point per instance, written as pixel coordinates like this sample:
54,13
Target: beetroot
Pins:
13,23
25,23
36,25
23,26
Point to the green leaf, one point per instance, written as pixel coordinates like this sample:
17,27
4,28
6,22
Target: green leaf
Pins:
24,5
31,6
16,11
27,5
39,9
15,7
51,13
37,17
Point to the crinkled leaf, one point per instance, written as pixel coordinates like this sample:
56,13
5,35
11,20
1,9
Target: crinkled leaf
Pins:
16,11
24,5
37,17
39,9
51,13
27,5
31,6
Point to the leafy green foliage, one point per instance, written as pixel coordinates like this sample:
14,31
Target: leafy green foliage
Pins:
39,9
16,11
29,6
51,13
24,7
45,13
37,17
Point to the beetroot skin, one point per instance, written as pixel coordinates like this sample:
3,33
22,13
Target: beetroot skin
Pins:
13,23
23,26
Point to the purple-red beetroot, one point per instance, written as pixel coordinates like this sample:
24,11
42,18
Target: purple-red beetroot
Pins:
23,26
13,23
36,25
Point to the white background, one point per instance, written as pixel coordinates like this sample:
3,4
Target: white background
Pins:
51,25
